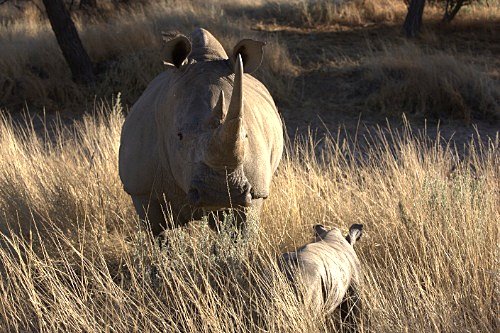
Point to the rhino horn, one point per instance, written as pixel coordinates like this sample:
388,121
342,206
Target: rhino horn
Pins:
227,146
236,105
218,113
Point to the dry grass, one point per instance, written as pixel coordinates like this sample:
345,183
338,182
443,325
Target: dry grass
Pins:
433,85
73,257
125,45
430,253
356,13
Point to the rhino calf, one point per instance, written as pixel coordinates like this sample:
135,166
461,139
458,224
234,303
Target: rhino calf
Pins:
326,272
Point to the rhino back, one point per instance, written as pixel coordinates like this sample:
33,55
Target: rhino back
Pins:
326,270
306,272
138,155
344,254
342,268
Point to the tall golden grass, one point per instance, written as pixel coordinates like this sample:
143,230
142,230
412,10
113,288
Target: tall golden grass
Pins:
73,257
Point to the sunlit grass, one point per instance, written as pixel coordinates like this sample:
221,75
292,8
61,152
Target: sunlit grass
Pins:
74,258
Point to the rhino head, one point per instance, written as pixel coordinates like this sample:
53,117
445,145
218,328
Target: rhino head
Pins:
204,130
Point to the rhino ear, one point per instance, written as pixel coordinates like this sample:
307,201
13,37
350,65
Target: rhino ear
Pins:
177,50
251,54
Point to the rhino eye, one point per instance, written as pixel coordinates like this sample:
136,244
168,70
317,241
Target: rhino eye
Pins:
179,135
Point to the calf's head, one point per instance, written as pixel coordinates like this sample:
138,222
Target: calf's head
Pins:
355,232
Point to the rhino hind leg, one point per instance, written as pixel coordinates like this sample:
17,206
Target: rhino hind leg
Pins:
150,212
350,311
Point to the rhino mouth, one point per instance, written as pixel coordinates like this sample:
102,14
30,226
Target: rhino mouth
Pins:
214,200
218,190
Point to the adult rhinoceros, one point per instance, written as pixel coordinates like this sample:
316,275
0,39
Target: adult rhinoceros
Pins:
202,135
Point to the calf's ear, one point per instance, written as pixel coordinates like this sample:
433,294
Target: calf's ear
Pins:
177,50
355,232
319,231
251,52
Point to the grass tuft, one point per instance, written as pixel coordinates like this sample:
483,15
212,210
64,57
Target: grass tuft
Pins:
432,85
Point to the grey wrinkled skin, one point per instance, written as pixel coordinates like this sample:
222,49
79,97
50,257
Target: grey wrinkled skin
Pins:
326,272
204,136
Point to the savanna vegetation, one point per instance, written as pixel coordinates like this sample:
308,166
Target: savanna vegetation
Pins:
74,258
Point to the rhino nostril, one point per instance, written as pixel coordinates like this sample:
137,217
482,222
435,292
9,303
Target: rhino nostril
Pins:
247,199
194,197
247,195
258,195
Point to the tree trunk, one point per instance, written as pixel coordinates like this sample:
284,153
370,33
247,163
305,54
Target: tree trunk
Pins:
452,8
69,42
413,20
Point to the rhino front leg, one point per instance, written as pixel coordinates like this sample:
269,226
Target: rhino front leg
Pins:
150,212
